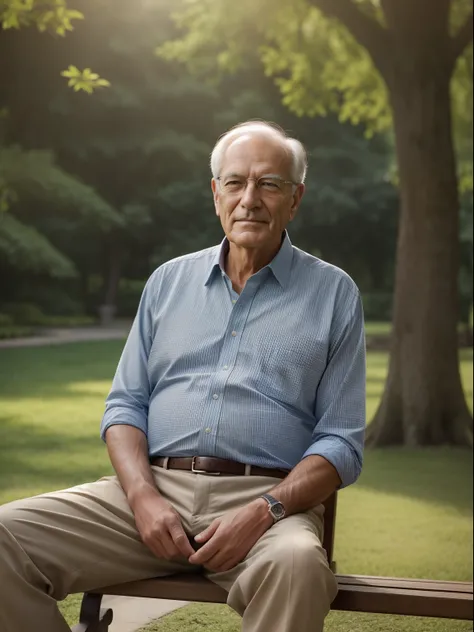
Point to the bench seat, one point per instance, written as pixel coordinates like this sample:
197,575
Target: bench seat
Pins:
357,593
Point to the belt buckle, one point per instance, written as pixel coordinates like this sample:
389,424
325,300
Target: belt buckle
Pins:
196,471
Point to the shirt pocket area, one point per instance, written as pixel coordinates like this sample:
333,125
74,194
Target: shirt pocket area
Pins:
292,370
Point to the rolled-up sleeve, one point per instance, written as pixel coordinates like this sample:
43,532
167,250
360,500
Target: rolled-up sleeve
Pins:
340,400
127,402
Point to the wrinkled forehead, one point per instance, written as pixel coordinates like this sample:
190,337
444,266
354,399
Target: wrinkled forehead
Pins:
257,153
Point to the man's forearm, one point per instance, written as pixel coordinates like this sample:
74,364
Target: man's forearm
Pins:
310,483
128,452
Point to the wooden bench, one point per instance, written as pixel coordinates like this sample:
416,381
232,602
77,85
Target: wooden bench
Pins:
381,595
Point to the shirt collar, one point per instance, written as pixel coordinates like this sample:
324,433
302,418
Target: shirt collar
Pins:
280,265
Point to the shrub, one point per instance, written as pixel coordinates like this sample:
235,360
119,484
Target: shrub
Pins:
128,297
5,320
377,306
14,331
68,321
24,313
54,298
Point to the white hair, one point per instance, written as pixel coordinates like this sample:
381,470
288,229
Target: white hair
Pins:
296,149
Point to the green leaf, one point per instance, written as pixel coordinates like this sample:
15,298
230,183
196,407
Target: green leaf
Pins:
35,177
24,248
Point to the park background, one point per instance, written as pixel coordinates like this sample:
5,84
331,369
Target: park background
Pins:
100,184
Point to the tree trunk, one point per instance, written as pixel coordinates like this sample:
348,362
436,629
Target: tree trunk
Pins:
423,402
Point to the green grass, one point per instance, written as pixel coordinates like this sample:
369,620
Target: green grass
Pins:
409,515
375,328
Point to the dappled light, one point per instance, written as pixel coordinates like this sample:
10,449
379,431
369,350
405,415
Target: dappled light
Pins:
346,206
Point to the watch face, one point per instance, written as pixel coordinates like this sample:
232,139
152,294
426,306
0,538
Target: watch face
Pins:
278,511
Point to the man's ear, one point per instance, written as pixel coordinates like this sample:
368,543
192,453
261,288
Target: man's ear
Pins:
215,194
297,197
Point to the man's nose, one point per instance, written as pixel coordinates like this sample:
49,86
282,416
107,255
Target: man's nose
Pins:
251,195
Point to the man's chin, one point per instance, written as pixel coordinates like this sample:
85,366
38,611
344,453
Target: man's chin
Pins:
248,238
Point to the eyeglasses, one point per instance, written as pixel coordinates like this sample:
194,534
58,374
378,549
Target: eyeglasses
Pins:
271,185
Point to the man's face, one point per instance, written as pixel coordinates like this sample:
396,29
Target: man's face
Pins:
254,216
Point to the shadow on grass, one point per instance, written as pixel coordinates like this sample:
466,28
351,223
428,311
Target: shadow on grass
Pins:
441,476
33,458
48,372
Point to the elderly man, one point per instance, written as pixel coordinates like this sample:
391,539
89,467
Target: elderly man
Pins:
238,406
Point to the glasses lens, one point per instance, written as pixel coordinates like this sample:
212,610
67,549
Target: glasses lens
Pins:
234,185
270,185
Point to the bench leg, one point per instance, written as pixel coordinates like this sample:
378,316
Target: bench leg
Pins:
93,618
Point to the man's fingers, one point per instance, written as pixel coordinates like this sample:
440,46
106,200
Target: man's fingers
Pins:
222,562
207,534
156,548
181,541
206,552
169,546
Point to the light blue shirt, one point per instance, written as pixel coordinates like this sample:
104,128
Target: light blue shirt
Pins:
267,377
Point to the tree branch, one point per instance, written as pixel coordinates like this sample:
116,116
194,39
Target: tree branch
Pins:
463,38
369,33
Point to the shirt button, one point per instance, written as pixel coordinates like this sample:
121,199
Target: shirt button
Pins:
234,302
234,333
208,431
215,396
226,368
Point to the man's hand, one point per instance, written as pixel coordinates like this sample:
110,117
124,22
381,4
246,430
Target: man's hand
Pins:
228,540
160,527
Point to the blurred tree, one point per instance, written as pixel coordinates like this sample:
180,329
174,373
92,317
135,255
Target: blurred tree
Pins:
369,60
55,17
144,144
35,180
129,143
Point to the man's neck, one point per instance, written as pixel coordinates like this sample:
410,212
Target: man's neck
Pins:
242,263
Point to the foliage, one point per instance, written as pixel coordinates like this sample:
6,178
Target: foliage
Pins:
5,320
143,147
33,315
8,332
35,182
25,249
24,313
317,64
84,79
34,176
67,321
55,17
462,91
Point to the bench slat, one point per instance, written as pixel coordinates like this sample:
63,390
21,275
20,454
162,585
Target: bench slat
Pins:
414,603
418,584
184,587
379,595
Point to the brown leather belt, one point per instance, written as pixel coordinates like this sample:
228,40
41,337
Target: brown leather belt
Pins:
215,467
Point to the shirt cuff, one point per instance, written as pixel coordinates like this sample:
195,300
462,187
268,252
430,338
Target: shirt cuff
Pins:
341,455
121,417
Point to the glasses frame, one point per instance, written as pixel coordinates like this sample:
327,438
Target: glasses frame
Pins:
256,181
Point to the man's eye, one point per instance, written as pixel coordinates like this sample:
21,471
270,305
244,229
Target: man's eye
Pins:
269,184
233,183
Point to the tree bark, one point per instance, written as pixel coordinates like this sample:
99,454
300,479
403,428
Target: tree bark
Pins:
424,403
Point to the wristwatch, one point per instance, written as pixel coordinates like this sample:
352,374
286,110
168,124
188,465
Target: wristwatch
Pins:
275,508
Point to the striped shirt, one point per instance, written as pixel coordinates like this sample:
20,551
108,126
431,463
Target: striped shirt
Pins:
267,377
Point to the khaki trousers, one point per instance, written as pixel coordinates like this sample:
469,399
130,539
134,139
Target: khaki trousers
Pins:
85,537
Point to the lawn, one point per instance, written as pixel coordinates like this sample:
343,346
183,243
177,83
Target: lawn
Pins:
409,515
